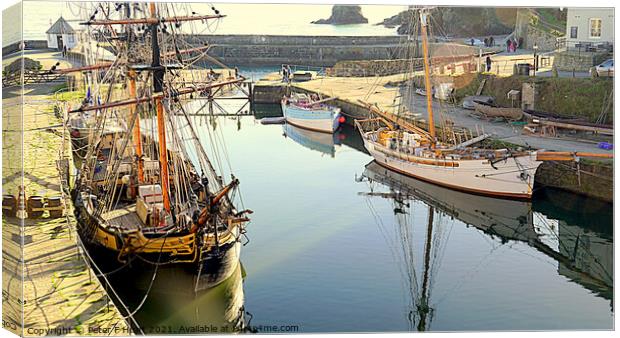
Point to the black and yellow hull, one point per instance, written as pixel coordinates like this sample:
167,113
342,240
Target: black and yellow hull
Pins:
210,263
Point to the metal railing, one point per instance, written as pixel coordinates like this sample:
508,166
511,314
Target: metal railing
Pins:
583,46
15,79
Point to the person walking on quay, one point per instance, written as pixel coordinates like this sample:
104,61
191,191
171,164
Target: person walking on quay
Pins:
488,61
515,45
491,41
288,73
508,45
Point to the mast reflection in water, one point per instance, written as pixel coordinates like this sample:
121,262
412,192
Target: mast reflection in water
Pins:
583,255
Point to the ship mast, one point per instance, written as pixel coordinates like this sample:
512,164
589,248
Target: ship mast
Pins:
427,78
423,306
158,79
137,135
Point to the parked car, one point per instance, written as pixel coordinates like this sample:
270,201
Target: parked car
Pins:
604,69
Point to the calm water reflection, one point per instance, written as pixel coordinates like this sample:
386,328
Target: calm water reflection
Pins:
338,243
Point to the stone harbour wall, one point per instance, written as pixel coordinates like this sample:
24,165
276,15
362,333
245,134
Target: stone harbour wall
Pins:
544,40
248,50
323,51
363,68
589,178
581,62
27,44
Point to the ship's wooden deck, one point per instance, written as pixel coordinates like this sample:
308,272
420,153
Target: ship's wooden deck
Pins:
124,218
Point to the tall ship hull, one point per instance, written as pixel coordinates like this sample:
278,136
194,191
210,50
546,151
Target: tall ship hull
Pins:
113,240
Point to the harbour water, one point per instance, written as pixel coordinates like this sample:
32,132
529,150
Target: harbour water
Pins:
339,244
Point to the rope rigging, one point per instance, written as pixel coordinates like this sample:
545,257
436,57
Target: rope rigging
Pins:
155,134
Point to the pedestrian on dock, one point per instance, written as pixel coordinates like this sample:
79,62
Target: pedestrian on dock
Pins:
488,61
211,75
515,45
288,73
508,45
284,74
491,41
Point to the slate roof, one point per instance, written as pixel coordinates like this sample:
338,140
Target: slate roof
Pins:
61,26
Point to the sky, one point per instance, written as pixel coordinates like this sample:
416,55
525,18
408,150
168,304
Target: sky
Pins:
242,18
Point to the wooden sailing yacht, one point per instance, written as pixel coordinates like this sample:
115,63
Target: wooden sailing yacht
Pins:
139,193
403,147
413,151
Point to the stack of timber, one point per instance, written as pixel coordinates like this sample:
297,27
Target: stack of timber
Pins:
547,124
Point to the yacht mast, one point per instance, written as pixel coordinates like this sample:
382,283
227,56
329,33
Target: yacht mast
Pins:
427,78
423,306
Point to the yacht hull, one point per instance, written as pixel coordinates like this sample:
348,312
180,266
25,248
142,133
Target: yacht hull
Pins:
510,178
322,120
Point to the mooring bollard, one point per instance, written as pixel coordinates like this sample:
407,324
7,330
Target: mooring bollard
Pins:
55,206
9,205
35,206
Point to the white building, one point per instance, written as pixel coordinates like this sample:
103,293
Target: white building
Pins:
61,34
593,26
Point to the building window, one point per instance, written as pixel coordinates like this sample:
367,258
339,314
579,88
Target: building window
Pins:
595,27
573,32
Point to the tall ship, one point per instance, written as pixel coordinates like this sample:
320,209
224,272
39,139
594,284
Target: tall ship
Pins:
146,191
